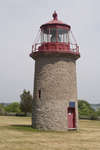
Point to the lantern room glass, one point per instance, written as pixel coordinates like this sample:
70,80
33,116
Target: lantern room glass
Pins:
54,35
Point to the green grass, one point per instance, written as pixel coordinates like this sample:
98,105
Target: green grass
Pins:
16,134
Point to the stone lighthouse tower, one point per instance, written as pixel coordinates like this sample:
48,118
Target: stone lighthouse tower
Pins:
55,90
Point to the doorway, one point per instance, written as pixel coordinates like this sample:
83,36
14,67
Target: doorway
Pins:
71,118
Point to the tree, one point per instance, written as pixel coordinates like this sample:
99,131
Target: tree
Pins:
85,109
98,112
2,110
26,102
13,107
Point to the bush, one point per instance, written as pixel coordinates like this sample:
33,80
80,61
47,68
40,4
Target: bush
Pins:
93,116
21,114
98,112
13,107
2,110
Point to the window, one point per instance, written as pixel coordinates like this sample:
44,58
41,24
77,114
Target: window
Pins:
39,93
54,35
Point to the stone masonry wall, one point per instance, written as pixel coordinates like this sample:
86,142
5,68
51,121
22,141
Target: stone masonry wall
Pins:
54,86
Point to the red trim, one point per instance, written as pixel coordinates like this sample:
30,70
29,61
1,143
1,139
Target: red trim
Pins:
54,46
55,26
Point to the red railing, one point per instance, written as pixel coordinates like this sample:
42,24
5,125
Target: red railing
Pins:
74,47
70,47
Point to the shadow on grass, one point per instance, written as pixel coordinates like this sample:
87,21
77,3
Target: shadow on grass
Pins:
23,127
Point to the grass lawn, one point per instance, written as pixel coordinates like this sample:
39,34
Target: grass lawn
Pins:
16,134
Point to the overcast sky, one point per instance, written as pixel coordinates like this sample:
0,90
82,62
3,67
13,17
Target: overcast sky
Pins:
20,21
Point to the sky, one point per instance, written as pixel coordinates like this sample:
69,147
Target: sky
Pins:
20,21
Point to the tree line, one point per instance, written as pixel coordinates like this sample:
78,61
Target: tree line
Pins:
22,108
25,106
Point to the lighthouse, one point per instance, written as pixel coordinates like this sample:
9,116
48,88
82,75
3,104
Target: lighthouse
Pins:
55,104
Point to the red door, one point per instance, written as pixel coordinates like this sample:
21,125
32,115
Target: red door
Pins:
71,117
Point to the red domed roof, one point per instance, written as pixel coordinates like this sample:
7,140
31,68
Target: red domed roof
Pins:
55,21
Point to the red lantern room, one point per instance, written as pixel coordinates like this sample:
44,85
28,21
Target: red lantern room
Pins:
55,36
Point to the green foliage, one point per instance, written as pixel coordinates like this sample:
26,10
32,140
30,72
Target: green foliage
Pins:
85,109
2,110
98,112
26,101
1,106
13,107
93,116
